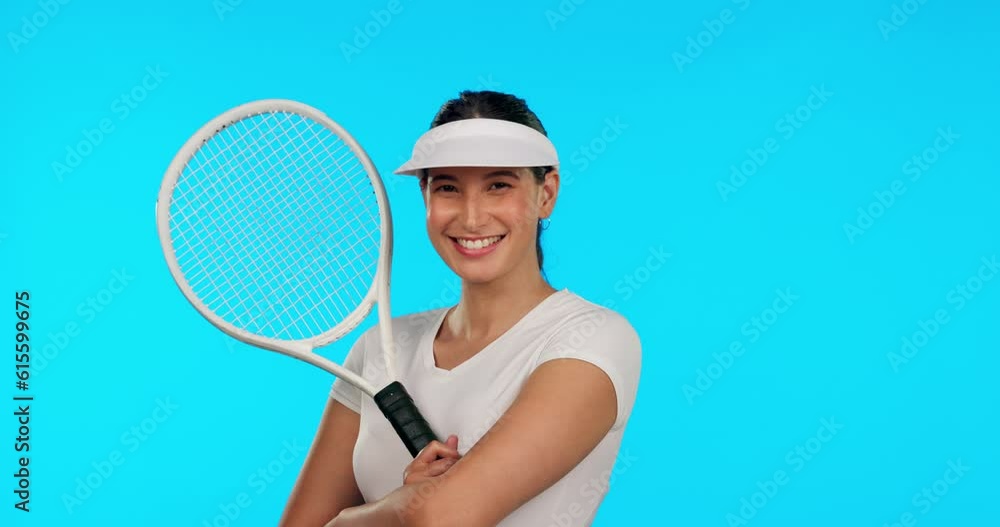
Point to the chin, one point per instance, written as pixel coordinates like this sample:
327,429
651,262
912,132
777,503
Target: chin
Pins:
475,274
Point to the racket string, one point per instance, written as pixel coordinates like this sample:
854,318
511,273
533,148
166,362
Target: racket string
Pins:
266,300
198,187
279,287
351,199
225,177
303,255
256,247
257,241
362,230
349,262
232,181
229,169
208,242
260,157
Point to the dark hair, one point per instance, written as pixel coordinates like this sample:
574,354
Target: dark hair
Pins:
495,105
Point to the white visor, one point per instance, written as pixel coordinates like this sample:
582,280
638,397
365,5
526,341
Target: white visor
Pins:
480,142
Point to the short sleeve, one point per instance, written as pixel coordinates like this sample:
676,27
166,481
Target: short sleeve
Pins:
605,339
343,391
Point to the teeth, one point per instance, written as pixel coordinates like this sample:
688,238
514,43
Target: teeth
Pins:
478,244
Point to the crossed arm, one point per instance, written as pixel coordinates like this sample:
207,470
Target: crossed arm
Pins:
563,411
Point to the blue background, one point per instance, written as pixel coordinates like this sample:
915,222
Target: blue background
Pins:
688,112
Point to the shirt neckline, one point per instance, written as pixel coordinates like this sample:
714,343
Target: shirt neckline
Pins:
427,345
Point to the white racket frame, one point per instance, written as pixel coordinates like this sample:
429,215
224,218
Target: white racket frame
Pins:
378,292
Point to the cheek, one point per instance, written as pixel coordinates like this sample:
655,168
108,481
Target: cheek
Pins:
520,214
438,214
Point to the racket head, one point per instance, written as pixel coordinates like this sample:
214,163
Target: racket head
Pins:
269,256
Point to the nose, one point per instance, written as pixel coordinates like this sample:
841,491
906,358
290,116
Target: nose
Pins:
473,212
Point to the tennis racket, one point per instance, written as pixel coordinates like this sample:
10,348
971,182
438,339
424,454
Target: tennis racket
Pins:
276,227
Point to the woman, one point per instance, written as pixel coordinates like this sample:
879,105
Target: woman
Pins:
531,386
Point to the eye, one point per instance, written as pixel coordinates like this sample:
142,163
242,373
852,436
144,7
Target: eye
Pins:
499,185
445,188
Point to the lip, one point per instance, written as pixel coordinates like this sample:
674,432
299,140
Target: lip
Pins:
476,253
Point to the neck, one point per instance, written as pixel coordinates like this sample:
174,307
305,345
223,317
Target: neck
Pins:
486,310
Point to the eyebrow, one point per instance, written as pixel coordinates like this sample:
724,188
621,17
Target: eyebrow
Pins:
494,174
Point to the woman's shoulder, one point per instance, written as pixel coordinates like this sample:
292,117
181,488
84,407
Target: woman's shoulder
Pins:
576,309
577,316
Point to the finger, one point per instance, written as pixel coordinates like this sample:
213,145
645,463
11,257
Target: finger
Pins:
414,472
417,466
429,452
451,446
439,467
435,450
413,476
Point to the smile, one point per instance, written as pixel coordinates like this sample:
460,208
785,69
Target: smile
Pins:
477,246
480,243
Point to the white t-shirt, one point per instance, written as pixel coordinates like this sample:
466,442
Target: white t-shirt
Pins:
469,399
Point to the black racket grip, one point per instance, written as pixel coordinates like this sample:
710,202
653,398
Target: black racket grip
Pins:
397,406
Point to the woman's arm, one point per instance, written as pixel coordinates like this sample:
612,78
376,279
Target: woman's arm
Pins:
326,484
563,411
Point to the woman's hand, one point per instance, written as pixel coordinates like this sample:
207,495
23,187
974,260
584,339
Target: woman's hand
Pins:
352,517
435,459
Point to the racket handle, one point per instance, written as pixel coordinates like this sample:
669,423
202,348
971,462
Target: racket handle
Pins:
398,407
